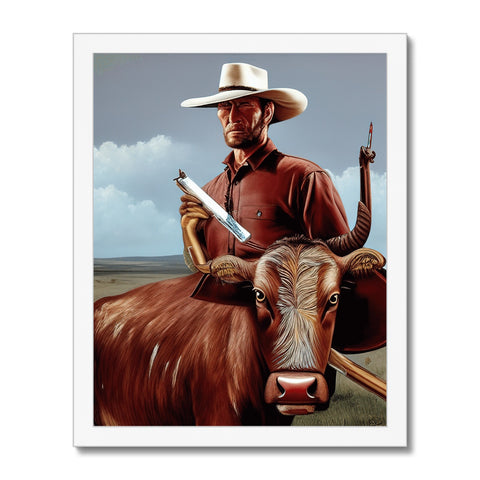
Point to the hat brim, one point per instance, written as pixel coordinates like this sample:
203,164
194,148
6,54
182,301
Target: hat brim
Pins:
288,102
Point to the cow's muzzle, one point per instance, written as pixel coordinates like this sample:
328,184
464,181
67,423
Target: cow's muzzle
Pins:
296,393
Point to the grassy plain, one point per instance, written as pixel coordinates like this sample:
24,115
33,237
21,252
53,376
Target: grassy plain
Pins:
113,276
350,405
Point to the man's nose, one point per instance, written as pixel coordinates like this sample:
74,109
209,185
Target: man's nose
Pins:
234,114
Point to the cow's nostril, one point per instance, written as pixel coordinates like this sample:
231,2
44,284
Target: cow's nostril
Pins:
312,389
280,389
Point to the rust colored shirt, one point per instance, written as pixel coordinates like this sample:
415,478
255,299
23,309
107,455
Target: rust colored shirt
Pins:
273,195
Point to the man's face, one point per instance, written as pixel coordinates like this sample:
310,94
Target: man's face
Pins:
242,121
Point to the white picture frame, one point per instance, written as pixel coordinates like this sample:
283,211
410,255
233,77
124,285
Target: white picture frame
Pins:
394,46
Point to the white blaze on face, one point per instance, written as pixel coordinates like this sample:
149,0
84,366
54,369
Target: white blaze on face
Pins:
300,297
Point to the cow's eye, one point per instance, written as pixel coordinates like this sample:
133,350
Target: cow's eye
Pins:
260,295
333,300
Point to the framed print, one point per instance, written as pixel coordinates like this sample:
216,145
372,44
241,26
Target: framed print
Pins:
256,302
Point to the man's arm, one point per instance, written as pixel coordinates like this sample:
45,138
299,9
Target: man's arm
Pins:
321,209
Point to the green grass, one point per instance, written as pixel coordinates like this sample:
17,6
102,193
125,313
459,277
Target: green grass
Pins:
351,405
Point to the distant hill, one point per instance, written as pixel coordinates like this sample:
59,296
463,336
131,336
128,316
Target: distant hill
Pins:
171,264
172,258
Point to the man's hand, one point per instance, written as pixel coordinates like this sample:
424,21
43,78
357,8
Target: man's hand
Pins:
191,207
366,156
193,214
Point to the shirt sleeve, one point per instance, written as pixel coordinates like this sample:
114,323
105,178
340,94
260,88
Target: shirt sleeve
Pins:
320,207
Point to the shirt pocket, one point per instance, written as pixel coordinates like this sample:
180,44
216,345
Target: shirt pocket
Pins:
260,212
265,223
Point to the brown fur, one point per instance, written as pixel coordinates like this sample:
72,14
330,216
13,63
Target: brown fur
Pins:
195,377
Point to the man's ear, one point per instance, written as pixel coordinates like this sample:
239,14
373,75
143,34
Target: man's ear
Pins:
231,269
268,112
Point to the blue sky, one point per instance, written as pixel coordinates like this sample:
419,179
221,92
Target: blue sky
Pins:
142,137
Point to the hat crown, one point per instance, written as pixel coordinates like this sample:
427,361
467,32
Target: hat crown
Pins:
243,75
239,80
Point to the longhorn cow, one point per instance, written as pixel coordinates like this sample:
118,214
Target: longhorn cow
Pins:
163,358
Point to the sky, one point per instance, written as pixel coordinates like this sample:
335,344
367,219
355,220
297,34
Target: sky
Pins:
142,137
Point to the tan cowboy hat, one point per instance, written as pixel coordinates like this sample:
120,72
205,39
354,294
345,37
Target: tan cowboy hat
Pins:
239,80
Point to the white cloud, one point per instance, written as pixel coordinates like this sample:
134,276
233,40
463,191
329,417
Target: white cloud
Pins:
348,186
142,170
125,227
135,200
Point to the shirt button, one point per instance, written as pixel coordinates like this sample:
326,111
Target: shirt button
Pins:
259,213
235,182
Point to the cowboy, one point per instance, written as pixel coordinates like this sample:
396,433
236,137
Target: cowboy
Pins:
271,194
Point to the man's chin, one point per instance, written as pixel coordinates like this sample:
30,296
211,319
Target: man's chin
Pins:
239,142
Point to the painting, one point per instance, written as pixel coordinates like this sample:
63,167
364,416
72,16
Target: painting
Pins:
132,136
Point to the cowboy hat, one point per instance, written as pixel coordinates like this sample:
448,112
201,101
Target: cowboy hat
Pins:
239,80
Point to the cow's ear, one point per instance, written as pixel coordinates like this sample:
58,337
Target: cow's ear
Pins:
233,269
363,262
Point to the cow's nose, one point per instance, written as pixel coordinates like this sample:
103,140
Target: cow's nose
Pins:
296,388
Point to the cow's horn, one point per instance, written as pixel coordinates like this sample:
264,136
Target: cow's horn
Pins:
348,242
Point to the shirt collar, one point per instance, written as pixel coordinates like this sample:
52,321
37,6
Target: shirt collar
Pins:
256,159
